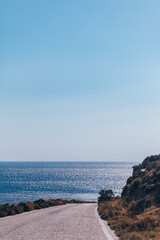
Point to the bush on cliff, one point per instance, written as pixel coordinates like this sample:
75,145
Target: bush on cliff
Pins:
105,195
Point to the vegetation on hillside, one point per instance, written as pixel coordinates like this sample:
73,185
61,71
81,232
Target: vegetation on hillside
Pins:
105,195
135,215
7,210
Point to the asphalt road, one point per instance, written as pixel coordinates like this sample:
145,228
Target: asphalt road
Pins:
67,222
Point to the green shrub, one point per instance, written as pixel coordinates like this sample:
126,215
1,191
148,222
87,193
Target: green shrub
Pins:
40,204
24,207
105,195
6,210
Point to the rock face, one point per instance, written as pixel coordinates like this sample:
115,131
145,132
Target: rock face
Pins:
143,187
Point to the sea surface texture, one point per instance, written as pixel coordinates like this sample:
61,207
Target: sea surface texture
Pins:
29,181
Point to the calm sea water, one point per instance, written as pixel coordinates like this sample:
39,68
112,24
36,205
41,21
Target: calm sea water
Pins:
29,181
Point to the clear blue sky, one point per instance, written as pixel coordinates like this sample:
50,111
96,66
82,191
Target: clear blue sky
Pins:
79,80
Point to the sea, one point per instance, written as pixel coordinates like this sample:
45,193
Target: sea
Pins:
30,181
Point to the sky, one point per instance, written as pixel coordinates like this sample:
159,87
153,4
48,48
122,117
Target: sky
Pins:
79,80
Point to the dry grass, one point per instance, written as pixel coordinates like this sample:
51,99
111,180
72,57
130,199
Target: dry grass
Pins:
143,226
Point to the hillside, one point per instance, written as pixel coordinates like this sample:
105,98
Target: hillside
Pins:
136,214
144,185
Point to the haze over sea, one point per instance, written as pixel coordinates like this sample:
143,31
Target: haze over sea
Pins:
29,181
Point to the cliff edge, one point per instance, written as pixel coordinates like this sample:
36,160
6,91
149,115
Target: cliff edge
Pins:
143,186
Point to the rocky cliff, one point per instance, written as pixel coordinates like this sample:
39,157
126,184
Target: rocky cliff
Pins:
143,187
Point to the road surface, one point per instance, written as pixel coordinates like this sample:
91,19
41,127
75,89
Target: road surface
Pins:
67,222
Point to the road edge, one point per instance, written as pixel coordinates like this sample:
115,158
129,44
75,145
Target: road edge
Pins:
109,234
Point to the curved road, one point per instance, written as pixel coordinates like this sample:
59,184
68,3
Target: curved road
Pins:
67,222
